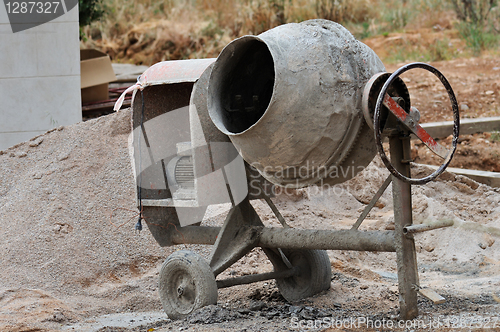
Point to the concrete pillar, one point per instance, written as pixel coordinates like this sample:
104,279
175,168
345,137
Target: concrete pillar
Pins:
39,77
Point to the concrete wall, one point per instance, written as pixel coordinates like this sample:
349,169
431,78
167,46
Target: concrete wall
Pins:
39,77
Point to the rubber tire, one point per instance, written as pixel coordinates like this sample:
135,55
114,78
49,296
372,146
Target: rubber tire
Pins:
190,270
314,277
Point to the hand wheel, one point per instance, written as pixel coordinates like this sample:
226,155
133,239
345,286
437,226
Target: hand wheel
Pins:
410,121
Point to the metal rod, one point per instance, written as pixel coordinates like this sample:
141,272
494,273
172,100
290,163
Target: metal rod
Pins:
372,203
248,279
427,227
276,211
406,256
293,238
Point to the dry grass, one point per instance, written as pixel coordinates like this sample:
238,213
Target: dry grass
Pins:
418,45
148,31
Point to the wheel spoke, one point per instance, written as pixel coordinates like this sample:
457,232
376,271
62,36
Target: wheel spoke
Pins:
434,146
415,127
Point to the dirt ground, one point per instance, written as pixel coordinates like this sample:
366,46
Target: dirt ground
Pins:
476,83
67,266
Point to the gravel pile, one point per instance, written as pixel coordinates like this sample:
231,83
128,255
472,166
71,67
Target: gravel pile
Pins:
59,251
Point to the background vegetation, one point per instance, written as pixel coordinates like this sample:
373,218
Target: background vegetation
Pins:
89,11
148,31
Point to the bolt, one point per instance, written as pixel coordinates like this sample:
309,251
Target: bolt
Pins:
180,291
415,114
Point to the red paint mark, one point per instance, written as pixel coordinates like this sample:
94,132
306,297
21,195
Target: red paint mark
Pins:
397,110
177,70
424,136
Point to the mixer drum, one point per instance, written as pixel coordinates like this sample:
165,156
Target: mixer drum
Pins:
290,101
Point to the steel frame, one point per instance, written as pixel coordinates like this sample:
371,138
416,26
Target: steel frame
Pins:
243,230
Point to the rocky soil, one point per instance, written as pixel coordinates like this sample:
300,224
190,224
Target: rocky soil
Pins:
71,260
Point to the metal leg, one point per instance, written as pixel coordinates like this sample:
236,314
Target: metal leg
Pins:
372,203
405,244
239,234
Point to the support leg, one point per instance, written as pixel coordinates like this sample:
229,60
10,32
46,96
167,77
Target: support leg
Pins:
239,234
405,245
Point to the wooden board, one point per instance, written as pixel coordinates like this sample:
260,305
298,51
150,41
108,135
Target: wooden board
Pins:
467,127
491,179
431,295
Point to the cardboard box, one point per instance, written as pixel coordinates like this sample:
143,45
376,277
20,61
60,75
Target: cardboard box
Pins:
95,74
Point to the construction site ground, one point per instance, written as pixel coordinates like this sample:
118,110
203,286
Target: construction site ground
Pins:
71,261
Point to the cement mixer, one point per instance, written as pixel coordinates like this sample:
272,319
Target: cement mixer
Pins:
288,108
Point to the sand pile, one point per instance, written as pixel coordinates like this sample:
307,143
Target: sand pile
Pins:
57,246
62,260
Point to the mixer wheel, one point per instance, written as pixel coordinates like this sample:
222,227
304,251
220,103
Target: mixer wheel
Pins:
314,275
410,122
186,283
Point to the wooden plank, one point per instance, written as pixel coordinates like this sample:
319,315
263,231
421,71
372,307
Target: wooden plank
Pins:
467,127
492,179
431,295
106,106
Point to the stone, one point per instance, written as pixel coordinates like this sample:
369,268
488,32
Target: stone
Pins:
429,248
488,239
